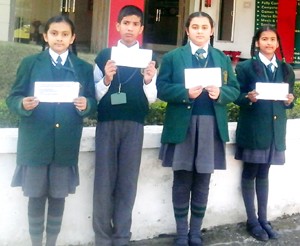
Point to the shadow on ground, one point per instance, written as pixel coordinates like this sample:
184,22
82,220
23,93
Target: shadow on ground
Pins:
236,234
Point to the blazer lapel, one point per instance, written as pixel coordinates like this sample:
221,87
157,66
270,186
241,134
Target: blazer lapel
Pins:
44,64
215,56
77,65
186,56
279,74
258,68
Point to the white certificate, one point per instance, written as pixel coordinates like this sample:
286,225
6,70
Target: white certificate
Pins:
272,91
49,91
202,76
131,57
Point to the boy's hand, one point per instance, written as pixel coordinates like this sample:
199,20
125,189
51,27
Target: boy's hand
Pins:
110,70
80,103
29,103
149,72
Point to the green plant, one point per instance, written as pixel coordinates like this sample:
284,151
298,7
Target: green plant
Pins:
7,119
294,113
232,112
156,113
297,90
91,120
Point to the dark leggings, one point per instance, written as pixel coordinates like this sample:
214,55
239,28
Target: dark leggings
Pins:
253,170
190,185
255,180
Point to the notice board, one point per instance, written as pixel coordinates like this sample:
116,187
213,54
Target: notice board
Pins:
266,13
297,38
282,15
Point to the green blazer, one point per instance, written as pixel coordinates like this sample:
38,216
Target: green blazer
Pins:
171,88
261,122
52,131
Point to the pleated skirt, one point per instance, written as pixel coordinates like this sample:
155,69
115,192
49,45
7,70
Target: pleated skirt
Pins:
47,180
203,150
268,156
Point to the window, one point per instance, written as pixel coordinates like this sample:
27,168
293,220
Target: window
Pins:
226,21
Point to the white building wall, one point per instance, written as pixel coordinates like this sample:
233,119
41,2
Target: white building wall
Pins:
4,19
153,213
243,29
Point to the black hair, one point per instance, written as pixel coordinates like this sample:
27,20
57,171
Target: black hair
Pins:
188,22
254,50
58,19
128,10
257,35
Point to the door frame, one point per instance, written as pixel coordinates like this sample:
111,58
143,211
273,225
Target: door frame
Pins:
183,11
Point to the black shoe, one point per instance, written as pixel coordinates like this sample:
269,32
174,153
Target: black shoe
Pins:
269,229
256,231
179,241
195,242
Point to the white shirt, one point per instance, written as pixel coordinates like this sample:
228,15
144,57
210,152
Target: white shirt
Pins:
101,89
54,56
266,61
194,48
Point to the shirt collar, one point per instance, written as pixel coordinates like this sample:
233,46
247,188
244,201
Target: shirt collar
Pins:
63,56
194,48
135,46
266,61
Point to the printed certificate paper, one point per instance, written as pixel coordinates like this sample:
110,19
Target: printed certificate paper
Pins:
139,58
65,91
202,76
272,91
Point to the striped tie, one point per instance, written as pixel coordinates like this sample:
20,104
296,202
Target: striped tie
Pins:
200,54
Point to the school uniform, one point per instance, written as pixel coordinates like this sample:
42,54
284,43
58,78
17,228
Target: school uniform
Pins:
261,127
194,134
119,139
260,138
50,134
180,109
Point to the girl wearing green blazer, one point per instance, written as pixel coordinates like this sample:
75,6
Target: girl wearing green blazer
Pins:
50,132
195,127
260,135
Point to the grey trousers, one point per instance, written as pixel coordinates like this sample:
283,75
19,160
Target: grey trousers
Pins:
118,157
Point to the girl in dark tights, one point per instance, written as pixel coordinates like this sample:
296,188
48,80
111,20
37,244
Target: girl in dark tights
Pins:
261,126
50,132
195,128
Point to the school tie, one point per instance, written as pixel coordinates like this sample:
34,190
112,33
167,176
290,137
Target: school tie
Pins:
270,66
58,63
200,54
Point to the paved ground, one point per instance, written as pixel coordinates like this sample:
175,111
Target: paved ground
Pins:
234,235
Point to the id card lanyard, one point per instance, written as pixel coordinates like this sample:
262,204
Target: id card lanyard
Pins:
120,97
